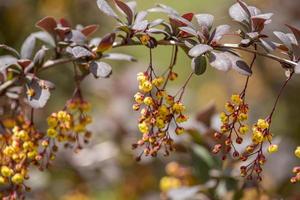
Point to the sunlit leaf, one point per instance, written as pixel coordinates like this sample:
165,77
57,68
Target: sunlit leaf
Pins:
199,49
141,16
119,56
205,20
126,10
47,24
284,39
100,69
10,49
106,42
220,61
219,32
40,94
81,52
89,30
28,47
105,8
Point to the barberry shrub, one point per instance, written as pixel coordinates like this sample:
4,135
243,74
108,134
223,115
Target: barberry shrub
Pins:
161,112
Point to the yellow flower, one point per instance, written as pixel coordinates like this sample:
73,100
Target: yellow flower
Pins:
182,118
145,39
178,107
145,86
52,133
139,97
229,107
163,110
143,127
52,121
141,77
167,183
160,123
6,171
243,129
158,81
273,148
2,180
242,117
263,124
17,178
148,101
224,118
179,130
257,137
136,106
297,152
236,99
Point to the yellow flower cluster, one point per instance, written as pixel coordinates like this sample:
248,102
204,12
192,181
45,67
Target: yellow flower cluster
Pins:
157,110
66,125
261,132
236,113
177,176
233,125
19,149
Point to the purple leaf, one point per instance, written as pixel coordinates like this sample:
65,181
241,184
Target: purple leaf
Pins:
40,95
284,39
119,56
199,65
237,13
140,26
28,46
100,69
10,49
141,16
205,20
238,64
199,50
126,10
189,30
296,33
220,61
48,24
81,52
89,30
106,9
106,42
219,32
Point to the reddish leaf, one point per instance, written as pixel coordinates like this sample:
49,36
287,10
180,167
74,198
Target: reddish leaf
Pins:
64,22
296,32
188,16
89,30
107,42
48,24
24,63
126,9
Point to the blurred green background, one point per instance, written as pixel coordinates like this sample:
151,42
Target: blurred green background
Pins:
106,168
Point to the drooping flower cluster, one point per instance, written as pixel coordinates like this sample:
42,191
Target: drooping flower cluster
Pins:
233,125
20,148
177,176
260,134
158,109
296,170
234,128
67,126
